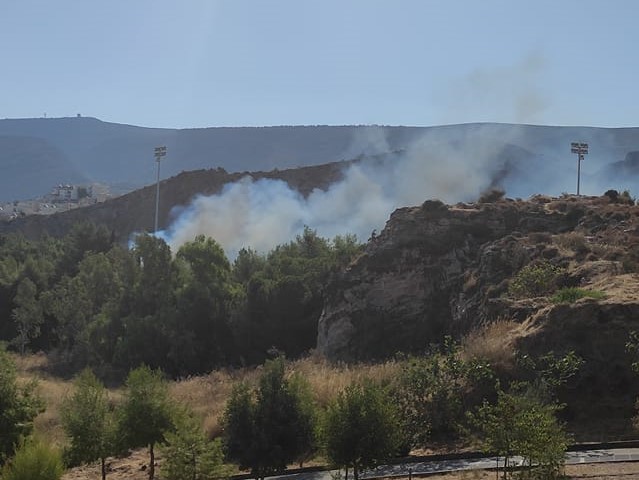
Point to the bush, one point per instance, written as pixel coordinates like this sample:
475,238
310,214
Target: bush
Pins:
572,241
520,425
19,405
535,280
361,428
34,460
188,454
572,294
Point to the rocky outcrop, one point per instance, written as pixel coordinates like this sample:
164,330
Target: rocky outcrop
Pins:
438,269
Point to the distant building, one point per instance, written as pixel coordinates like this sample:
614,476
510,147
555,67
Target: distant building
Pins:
65,193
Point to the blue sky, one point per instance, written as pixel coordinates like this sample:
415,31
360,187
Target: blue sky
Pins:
200,63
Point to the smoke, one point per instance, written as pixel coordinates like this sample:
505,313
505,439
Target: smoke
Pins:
511,93
264,213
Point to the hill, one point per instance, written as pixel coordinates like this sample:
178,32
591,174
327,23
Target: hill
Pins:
68,150
564,270
134,212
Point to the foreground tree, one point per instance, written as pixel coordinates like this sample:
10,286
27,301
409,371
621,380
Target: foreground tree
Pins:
34,460
188,454
520,424
18,407
433,393
361,428
27,315
147,412
267,431
88,420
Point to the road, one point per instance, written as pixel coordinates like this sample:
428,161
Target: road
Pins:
442,466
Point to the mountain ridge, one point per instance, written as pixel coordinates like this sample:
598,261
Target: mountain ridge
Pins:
113,153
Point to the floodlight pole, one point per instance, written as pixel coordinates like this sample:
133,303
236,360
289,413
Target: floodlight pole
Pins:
580,149
159,153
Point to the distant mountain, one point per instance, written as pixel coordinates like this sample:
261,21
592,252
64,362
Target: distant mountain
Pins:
49,151
624,173
32,164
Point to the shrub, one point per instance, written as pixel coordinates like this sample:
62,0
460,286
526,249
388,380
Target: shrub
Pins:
534,280
361,428
189,454
19,405
34,460
572,294
572,241
519,424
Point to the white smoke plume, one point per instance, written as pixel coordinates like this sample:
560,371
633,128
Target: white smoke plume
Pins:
264,213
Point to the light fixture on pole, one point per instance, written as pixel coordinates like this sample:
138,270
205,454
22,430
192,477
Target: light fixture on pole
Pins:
159,153
580,149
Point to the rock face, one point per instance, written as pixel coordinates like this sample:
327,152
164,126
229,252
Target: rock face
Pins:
437,270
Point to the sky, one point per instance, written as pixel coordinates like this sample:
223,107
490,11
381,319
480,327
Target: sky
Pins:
205,63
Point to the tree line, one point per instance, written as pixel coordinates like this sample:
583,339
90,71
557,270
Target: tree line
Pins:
279,421
91,302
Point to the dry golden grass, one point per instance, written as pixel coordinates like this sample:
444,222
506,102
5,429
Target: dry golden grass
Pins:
493,343
328,379
207,395
51,390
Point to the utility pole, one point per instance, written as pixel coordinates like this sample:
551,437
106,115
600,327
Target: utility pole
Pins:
580,149
159,153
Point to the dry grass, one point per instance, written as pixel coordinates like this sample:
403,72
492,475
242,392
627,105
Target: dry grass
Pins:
571,241
328,379
51,390
493,343
207,395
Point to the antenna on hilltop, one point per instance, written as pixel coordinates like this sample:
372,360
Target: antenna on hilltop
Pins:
580,149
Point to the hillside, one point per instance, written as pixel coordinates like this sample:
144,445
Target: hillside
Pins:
71,150
440,270
134,212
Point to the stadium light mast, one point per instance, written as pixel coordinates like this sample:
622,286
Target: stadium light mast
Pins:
580,149
159,153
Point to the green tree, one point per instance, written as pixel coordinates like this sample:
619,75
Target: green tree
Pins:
188,454
361,428
34,460
239,426
147,412
534,280
275,427
434,392
520,424
146,324
19,405
88,420
27,315
84,237
201,338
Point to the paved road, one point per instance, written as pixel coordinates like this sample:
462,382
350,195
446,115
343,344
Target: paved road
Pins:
441,466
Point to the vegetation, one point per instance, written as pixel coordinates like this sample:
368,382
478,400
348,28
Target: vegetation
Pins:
18,407
534,280
188,454
361,428
272,427
433,393
89,421
572,294
34,460
519,424
93,303
147,412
